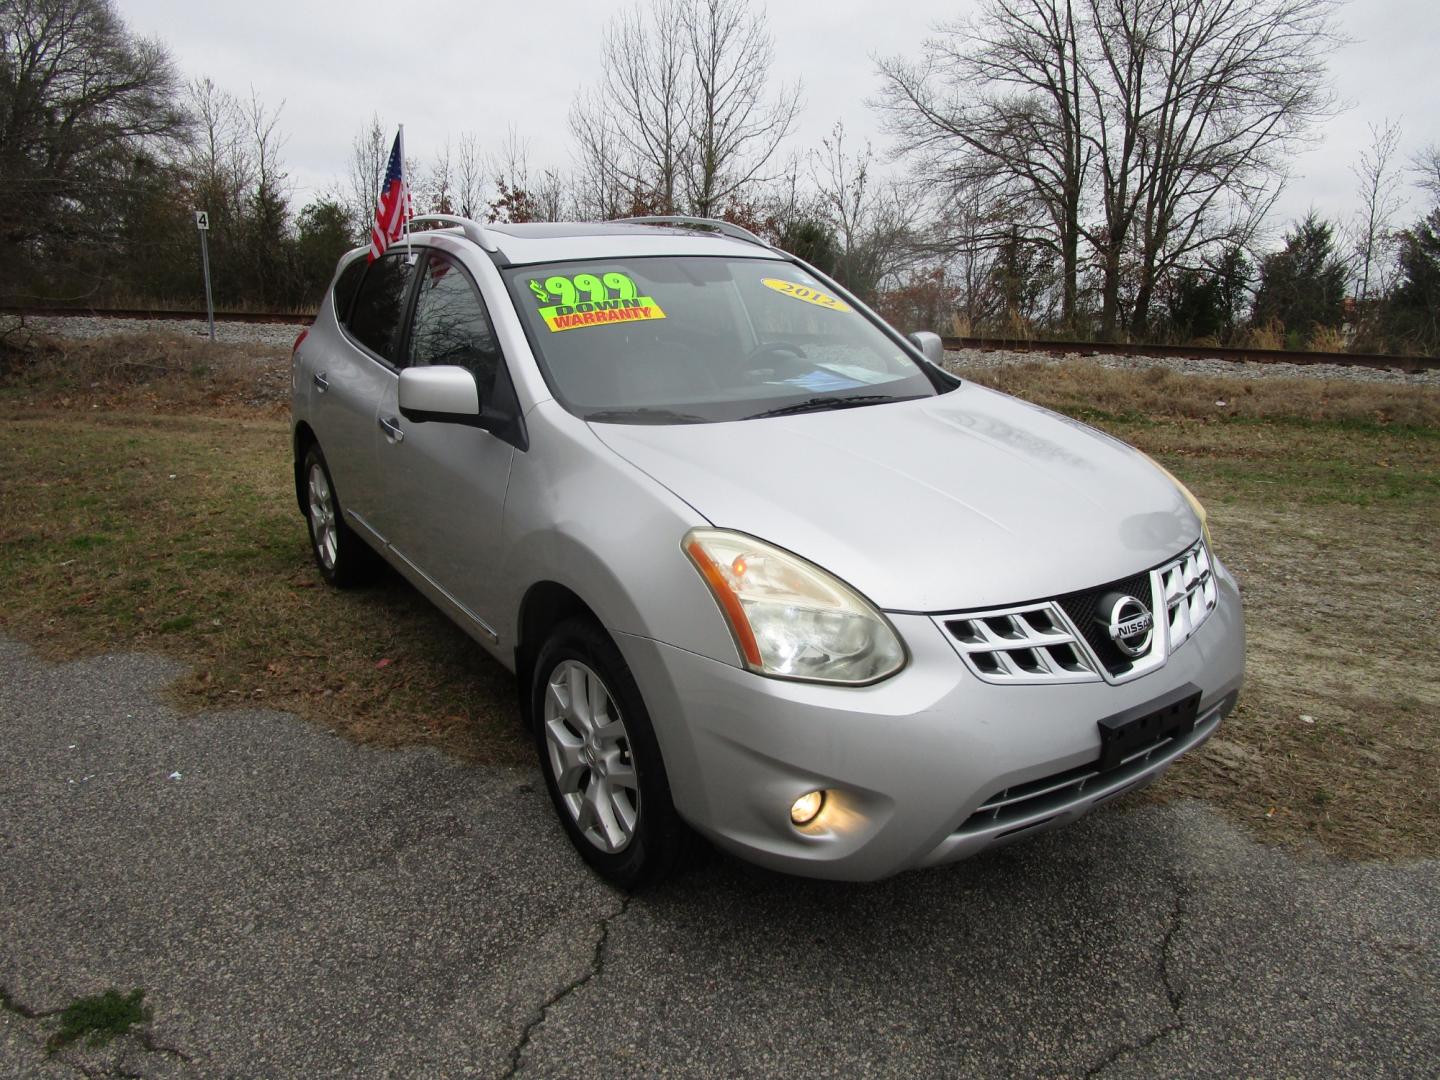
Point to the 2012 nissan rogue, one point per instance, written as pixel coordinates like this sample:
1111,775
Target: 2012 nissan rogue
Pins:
765,572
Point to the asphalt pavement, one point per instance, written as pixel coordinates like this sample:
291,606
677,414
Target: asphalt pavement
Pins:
296,905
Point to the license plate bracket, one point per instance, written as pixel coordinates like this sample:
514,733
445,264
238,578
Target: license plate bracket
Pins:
1134,729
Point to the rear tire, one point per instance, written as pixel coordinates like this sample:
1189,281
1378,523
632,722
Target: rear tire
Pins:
601,760
343,558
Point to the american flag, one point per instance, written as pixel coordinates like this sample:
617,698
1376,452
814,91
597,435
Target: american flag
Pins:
394,207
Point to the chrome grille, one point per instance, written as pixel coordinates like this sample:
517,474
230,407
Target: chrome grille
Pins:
1061,640
1032,643
1083,608
1188,588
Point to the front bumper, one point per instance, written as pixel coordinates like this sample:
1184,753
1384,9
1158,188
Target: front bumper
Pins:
907,763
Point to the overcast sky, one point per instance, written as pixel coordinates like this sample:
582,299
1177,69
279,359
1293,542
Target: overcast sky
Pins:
487,67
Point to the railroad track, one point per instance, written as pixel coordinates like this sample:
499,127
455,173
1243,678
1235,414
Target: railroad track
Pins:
145,314
1411,364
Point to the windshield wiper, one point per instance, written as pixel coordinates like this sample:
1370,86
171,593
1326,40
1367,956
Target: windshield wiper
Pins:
818,404
644,415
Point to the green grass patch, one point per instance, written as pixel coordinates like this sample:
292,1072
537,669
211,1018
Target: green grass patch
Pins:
101,549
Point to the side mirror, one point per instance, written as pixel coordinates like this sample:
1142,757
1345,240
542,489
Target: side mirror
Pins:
445,394
930,346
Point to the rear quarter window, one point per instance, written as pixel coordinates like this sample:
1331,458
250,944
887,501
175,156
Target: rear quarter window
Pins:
346,285
375,319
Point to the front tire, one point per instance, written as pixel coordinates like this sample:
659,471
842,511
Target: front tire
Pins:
601,760
343,558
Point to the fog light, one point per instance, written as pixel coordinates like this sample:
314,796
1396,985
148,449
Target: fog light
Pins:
807,807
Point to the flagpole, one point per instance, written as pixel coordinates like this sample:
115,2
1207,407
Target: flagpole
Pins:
405,201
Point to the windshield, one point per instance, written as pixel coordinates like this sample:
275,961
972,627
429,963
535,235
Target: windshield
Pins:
702,339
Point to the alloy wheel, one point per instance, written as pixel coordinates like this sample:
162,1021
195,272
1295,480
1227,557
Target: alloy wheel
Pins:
322,517
589,755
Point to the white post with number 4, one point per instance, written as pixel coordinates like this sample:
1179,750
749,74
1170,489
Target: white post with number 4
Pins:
202,225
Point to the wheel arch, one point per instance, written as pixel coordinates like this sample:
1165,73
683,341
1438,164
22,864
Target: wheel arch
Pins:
546,605
303,438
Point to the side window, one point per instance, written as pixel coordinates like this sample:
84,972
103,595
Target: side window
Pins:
378,305
345,286
451,324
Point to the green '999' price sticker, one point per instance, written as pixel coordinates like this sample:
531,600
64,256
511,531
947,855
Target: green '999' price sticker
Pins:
567,303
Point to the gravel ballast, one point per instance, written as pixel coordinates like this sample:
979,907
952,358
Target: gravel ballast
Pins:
283,335
94,326
1226,369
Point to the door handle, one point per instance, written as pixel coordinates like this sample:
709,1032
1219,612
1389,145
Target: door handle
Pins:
321,382
392,429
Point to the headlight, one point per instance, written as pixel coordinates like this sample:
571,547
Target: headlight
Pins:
1189,497
790,619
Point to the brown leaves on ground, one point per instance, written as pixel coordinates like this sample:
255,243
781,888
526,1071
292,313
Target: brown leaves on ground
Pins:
1085,388
146,371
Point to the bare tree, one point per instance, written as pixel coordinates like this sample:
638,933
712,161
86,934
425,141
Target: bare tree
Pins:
632,130
1196,106
217,157
1148,129
552,192
369,154
1425,167
867,216
733,130
996,104
471,171
510,164
521,197
263,124
267,211
681,119
1378,179
967,234
437,190
605,185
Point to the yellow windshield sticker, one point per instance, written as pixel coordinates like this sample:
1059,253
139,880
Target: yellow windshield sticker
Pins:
567,303
804,292
563,317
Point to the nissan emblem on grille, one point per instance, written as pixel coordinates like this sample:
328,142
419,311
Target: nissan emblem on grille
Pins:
1128,622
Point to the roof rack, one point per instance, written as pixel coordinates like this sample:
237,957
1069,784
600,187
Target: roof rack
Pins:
473,230
726,228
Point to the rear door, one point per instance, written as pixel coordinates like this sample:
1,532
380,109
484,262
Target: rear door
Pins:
444,484
353,376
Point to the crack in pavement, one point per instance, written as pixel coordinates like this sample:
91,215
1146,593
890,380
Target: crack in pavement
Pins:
1173,994
9,1004
597,966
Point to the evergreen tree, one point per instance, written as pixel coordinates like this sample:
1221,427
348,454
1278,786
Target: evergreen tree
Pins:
323,232
1413,307
1302,286
1206,302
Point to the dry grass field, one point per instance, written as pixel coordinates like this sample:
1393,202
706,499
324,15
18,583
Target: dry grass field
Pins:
147,505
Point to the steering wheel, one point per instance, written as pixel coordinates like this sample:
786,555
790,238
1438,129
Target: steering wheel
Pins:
777,349
773,347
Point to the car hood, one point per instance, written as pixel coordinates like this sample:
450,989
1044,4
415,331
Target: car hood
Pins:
968,499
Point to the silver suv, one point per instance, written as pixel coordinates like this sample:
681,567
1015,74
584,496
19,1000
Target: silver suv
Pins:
763,570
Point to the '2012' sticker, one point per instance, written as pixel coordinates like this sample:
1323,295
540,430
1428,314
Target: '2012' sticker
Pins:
568,303
806,293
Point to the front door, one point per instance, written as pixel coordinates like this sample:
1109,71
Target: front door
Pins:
443,485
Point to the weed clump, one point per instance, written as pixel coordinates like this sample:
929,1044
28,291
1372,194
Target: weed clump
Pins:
99,1018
